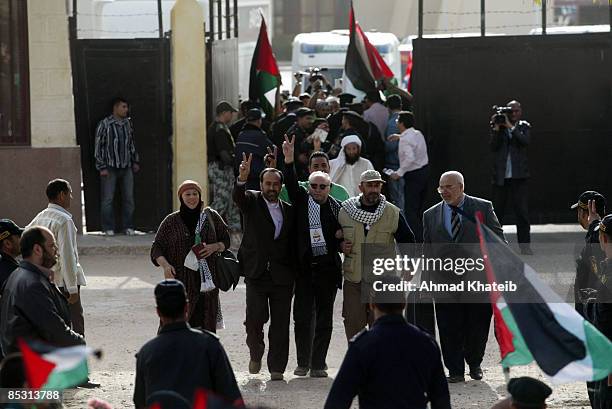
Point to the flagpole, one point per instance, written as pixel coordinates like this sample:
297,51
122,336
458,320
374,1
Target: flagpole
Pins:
506,374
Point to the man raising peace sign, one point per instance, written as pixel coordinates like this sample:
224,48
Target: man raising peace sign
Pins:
266,261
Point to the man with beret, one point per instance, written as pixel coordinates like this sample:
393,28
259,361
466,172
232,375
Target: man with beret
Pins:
525,393
382,371
181,359
9,249
603,309
590,207
253,140
220,148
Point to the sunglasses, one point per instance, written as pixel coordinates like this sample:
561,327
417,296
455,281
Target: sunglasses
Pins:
316,186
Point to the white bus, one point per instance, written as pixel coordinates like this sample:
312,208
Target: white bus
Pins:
328,50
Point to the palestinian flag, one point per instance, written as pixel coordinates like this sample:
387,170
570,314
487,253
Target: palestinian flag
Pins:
54,368
265,77
363,65
533,322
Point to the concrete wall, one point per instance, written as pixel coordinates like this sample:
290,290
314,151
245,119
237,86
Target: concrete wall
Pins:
29,170
51,102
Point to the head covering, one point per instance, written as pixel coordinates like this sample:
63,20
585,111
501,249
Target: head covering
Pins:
346,98
370,176
528,392
224,106
304,96
583,201
605,225
340,161
170,292
189,184
254,114
9,228
302,112
190,216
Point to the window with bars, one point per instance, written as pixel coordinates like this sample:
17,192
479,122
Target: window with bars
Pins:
14,75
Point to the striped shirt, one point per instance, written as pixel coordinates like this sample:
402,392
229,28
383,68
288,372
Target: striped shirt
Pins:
115,144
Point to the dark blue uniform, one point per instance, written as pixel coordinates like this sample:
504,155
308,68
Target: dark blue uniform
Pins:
603,322
394,365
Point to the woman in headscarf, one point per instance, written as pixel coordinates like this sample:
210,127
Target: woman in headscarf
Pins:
173,249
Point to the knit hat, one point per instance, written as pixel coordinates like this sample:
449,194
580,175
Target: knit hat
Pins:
189,184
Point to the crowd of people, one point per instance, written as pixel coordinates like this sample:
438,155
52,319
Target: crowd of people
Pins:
305,194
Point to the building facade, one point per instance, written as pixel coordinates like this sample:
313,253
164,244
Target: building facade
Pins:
37,128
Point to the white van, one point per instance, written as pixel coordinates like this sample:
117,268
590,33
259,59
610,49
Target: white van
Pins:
328,50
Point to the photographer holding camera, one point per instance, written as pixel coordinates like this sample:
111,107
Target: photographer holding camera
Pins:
510,137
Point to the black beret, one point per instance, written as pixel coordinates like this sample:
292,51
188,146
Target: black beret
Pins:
528,392
170,292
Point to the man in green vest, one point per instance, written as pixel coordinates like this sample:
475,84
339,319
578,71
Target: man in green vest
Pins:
366,219
319,161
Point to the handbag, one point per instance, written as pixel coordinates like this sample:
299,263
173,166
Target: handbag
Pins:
227,267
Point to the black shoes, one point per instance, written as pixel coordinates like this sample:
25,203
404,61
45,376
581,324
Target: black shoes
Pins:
455,379
476,373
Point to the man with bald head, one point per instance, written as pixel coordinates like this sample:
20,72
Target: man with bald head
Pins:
319,275
509,143
463,325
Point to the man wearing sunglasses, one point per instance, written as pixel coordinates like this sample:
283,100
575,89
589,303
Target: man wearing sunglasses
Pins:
319,276
509,143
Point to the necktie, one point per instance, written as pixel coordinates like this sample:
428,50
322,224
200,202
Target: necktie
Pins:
455,224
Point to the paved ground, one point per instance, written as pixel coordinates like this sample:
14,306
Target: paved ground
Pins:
120,317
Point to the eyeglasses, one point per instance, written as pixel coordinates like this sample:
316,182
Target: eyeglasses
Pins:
445,188
317,186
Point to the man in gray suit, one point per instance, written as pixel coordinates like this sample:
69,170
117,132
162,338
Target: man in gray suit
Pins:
463,325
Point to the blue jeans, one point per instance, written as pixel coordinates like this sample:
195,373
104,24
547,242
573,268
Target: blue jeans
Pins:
108,183
396,192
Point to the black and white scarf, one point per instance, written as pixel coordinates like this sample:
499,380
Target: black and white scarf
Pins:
317,240
352,206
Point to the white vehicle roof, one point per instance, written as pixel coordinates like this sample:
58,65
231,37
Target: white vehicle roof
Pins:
341,37
600,28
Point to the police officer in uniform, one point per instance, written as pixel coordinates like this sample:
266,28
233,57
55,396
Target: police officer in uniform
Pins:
9,249
603,309
382,371
590,206
181,359
525,393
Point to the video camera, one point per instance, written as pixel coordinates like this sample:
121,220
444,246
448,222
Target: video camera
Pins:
500,114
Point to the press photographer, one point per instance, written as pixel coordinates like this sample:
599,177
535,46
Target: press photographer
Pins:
510,137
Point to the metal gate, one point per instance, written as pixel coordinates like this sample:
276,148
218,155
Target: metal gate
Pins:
139,71
564,83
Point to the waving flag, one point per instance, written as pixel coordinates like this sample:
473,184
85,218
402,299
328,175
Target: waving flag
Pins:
533,322
265,77
363,65
47,367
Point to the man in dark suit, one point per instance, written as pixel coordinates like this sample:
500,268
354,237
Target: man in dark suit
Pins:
509,143
10,234
265,257
320,273
463,326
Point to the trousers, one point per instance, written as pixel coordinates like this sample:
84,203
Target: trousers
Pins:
266,301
